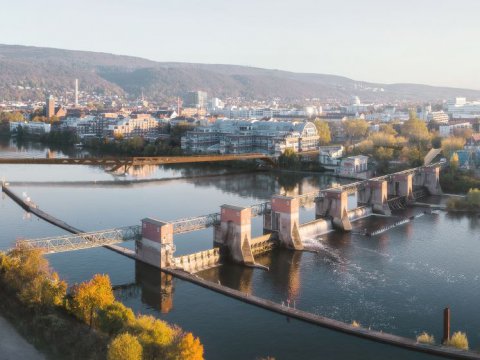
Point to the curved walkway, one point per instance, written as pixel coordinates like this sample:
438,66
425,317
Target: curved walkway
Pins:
13,346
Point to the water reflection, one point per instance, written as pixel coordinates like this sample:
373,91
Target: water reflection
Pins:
154,287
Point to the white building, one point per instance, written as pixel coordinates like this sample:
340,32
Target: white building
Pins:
228,136
330,155
449,130
461,108
31,126
354,166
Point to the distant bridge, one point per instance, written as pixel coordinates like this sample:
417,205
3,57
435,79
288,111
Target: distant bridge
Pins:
117,163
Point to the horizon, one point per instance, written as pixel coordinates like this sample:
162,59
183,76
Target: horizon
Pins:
412,43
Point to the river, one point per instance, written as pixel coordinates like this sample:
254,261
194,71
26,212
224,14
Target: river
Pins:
397,282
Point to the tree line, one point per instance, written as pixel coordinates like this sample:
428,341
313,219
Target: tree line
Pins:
48,312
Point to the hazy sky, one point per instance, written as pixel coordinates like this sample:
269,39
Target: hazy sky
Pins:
424,41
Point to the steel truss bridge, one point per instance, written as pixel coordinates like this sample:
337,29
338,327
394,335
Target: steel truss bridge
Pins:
117,163
85,240
186,225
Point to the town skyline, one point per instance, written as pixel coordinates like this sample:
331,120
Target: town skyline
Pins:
396,43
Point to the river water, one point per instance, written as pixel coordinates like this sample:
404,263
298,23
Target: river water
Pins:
397,282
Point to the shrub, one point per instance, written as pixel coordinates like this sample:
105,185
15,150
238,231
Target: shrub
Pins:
425,338
458,340
125,347
356,324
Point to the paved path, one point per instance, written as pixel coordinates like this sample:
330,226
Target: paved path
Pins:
13,346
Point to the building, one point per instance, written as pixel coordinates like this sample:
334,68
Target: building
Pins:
50,107
460,108
330,155
449,130
227,136
440,117
31,127
195,99
135,125
354,167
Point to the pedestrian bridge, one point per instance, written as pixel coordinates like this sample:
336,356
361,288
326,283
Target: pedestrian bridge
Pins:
85,240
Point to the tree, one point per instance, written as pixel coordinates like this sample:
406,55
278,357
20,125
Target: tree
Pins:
188,348
454,162
323,131
125,347
289,159
30,276
114,317
416,130
451,145
91,296
388,129
355,129
154,335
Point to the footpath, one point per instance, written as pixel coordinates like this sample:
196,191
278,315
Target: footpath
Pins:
13,346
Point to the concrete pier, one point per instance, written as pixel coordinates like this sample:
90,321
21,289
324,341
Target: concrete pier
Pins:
377,191
156,245
334,205
285,220
234,233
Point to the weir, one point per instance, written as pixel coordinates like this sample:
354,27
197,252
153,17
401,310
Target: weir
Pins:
156,248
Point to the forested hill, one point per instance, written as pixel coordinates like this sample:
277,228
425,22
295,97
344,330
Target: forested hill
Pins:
30,72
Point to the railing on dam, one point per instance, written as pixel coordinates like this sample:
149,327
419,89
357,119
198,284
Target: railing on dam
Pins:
83,240
195,223
260,209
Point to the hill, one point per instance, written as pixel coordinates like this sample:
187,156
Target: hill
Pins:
28,72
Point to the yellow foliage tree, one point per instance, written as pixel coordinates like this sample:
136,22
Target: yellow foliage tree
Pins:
188,348
125,347
91,296
28,273
154,335
115,317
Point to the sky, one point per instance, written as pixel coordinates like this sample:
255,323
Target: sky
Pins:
432,42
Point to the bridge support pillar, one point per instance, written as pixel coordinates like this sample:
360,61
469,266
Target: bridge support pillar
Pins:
156,246
286,221
234,233
432,180
403,186
378,196
334,205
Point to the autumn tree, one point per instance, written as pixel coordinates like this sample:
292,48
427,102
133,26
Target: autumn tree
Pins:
323,131
388,129
416,131
30,276
187,348
114,317
155,336
355,128
125,347
452,144
92,296
454,161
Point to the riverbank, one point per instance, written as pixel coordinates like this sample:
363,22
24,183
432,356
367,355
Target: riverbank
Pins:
51,331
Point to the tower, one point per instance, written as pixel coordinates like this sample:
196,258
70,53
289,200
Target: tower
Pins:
50,107
76,92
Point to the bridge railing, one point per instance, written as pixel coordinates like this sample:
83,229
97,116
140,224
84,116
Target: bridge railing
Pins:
83,240
195,223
